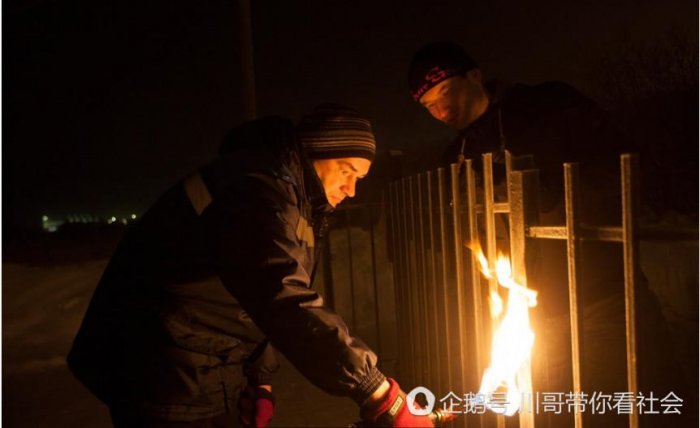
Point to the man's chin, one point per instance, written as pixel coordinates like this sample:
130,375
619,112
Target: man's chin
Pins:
455,124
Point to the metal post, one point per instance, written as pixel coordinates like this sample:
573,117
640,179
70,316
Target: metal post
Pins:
480,345
424,286
396,264
477,297
373,254
460,287
245,36
421,306
491,251
350,270
630,208
419,349
407,286
489,220
399,281
445,285
572,196
435,333
328,289
524,210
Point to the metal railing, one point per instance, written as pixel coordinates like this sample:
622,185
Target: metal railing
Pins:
441,296
356,279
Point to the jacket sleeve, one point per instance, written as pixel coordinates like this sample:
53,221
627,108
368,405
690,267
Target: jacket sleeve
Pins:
261,262
261,365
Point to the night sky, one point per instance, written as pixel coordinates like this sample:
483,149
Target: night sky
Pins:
106,104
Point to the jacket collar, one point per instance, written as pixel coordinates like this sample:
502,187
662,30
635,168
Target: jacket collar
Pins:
313,186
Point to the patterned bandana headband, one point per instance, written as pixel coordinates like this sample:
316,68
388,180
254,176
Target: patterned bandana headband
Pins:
434,63
434,76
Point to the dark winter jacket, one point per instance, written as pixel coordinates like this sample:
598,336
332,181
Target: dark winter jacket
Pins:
217,268
556,124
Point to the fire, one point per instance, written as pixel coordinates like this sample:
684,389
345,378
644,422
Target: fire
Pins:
512,339
495,301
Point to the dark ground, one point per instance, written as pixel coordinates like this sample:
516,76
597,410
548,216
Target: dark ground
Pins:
47,283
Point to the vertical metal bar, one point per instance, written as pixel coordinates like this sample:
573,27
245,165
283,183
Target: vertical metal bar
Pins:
435,331
399,281
328,289
480,345
572,197
375,293
407,283
477,297
392,215
523,211
422,285
350,271
460,286
491,251
444,294
490,221
416,284
419,353
630,209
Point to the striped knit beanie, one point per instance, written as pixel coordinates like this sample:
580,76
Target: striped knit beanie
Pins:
333,131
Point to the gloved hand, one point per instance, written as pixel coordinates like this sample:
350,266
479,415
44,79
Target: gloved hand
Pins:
256,405
392,411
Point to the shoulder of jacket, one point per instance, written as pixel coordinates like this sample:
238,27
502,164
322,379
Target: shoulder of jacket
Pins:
229,180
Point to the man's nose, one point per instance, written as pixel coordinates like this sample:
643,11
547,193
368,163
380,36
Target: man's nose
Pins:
349,188
442,112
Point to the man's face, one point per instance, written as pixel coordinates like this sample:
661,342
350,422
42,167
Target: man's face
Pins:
457,101
339,176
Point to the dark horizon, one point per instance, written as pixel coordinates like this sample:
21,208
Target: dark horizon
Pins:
106,105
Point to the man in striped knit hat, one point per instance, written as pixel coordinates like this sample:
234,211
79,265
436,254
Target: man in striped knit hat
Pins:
180,329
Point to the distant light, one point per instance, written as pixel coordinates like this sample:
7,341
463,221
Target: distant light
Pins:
113,219
44,218
133,216
52,228
124,221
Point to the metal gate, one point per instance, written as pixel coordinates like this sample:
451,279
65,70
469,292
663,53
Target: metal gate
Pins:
443,327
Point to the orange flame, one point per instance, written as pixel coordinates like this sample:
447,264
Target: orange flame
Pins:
512,339
495,301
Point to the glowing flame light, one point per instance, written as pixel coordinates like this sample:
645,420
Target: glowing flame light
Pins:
495,301
512,339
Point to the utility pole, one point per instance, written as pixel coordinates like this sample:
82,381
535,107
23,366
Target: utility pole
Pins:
245,37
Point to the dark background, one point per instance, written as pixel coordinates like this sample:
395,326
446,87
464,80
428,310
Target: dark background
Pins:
106,104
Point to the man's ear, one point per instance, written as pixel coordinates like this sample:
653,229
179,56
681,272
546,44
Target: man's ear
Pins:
475,75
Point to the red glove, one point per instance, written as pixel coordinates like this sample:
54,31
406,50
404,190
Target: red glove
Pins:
256,405
393,411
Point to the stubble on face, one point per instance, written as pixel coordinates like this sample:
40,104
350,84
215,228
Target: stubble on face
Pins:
458,101
339,177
